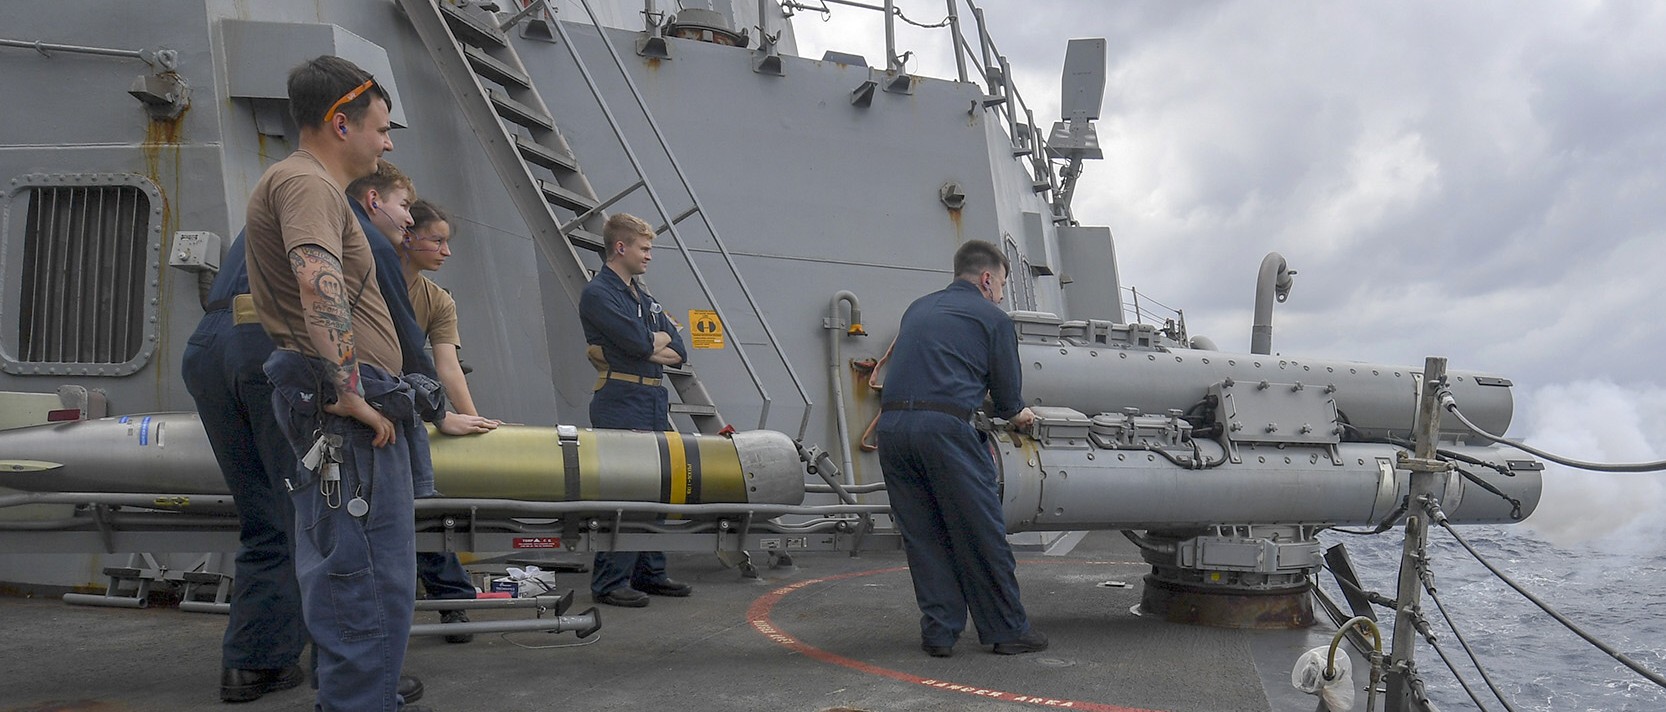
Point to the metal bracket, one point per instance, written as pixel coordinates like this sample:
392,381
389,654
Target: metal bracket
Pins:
985,102
952,195
525,12
1418,464
862,96
899,83
767,58
652,43
165,95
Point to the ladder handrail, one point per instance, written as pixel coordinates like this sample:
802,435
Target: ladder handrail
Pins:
671,228
567,270
464,73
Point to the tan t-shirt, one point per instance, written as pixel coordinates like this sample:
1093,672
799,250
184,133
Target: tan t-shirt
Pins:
436,311
296,203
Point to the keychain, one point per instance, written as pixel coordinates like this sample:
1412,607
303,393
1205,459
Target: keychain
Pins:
323,458
330,485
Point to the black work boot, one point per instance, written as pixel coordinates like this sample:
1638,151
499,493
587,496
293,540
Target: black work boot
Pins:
456,617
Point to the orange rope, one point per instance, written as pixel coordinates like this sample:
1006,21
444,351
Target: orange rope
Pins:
875,385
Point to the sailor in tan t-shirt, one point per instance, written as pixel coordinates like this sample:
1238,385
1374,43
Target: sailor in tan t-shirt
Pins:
426,249
297,204
337,393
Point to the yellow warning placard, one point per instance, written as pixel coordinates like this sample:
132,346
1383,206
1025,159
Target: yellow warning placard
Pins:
705,330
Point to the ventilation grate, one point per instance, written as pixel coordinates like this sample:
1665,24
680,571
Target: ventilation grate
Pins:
82,275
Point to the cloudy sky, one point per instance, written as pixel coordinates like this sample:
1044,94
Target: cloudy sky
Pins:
1483,180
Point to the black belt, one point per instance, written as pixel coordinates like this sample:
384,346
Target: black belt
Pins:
217,305
958,412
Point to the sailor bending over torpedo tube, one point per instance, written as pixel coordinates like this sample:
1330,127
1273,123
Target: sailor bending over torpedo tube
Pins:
261,649
953,346
636,340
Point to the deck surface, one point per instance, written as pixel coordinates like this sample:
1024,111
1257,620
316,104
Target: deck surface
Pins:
830,632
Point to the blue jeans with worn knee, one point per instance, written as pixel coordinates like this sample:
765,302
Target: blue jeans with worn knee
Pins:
355,572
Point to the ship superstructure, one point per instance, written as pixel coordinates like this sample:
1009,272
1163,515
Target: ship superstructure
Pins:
802,204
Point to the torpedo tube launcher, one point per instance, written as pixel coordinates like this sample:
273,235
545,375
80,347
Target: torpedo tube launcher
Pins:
1233,463
1132,437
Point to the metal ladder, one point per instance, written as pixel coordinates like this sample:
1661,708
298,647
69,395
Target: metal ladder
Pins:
538,166
557,31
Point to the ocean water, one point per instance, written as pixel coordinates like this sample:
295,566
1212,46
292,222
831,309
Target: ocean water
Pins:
1613,587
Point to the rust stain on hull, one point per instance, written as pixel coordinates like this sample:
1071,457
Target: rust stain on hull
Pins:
163,161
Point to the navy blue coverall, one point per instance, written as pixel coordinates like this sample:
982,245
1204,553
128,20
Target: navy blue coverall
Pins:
441,574
222,372
952,347
623,325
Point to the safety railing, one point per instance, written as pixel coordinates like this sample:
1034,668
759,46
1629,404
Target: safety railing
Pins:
993,71
1142,309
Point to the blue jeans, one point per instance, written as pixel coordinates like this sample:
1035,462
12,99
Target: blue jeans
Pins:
940,478
222,371
357,590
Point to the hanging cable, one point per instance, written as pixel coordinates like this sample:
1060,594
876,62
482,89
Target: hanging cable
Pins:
1371,596
940,23
1515,504
1654,677
1451,405
877,387
1388,522
1467,650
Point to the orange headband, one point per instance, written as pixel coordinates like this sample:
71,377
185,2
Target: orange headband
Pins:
345,98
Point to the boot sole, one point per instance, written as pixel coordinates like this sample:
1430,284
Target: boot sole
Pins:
250,693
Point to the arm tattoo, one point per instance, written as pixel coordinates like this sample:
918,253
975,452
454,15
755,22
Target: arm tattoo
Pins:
328,313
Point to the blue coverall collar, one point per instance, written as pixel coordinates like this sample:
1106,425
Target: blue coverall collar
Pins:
612,279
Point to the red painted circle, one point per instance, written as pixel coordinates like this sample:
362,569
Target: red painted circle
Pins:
758,615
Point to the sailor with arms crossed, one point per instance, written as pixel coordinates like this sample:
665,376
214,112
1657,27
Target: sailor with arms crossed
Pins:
631,339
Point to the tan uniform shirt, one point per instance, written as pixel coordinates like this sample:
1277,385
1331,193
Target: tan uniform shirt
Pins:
436,311
296,203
